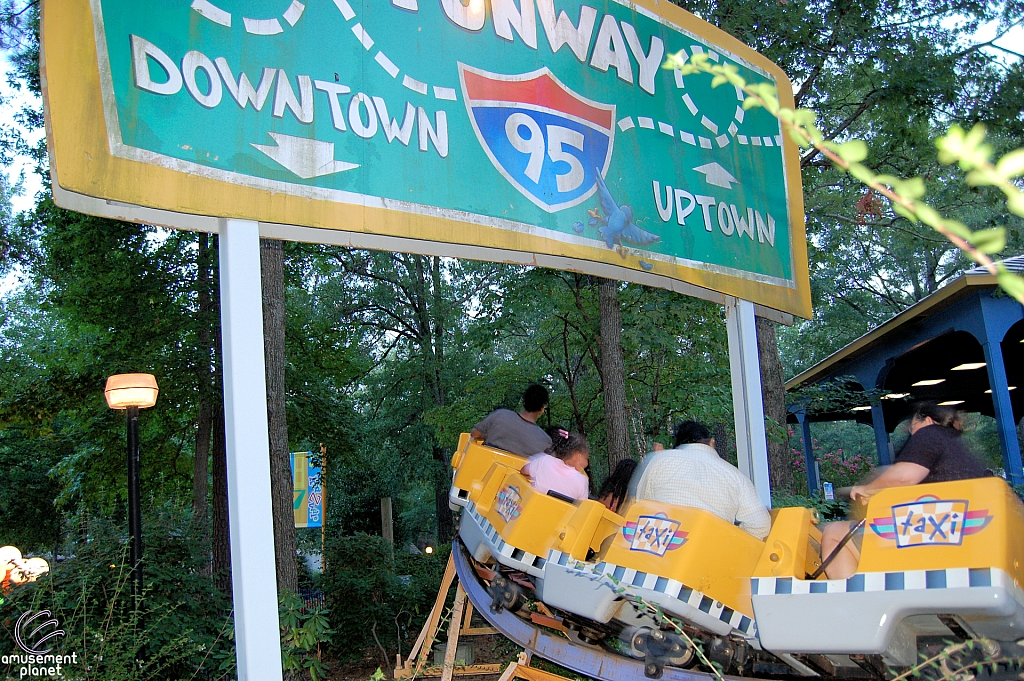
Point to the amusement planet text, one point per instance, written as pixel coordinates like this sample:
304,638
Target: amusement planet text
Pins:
32,666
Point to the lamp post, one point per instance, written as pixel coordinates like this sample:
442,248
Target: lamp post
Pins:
132,392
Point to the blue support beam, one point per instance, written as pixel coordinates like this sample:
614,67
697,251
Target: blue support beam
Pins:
881,435
813,483
1005,425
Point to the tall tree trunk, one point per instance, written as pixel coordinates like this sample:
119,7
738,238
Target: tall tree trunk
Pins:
221,527
443,482
613,372
221,565
442,513
200,468
773,393
723,442
200,485
272,268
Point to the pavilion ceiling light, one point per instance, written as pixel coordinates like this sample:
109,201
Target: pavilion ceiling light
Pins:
950,403
930,381
895,396
1009,387
861,409
968,366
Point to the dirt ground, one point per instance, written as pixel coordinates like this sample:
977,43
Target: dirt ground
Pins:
487,649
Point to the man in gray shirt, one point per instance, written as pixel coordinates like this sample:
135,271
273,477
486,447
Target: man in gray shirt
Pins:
517,433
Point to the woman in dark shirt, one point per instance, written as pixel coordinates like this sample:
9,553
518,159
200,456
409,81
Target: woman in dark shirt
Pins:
934,453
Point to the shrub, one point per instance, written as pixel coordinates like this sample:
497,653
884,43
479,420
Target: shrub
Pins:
377,600
179,632
838,467
829,510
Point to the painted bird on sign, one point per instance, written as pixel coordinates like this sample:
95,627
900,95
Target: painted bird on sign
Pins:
617,223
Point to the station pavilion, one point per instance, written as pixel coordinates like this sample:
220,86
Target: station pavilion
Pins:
963,346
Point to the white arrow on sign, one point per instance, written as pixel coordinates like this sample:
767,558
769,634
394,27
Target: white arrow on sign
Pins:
716,175
305,157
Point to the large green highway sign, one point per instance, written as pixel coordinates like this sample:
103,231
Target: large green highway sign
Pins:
536,126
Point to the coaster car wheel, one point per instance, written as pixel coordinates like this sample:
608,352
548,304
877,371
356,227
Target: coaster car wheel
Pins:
658,648
505,595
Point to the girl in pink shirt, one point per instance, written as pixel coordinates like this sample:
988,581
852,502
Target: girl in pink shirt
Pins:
561,467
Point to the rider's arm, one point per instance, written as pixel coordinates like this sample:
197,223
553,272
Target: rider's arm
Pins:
900,474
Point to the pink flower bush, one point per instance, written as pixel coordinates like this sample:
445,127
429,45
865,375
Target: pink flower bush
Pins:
839,468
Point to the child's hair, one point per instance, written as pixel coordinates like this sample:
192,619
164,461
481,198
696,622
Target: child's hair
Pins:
617,484
941,415
564,443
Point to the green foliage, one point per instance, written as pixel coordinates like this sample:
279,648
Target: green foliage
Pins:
827,510
180,632
303,630
840,468
905,195
391,356
378,600
28,518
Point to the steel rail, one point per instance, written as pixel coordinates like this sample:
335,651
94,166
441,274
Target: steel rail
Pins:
588,660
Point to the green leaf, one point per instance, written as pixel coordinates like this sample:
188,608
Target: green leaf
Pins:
1012,284
862,173
989,241
957,228
853,151
1011,165
1015,202
910,189
677,60
799,137
805,118
928,215
981,177
908,214
950,144
975,137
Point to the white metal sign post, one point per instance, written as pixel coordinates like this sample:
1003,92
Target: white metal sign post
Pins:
253,575
747,404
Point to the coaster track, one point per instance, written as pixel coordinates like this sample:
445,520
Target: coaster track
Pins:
588,660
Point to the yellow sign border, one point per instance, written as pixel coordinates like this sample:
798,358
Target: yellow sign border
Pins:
81,164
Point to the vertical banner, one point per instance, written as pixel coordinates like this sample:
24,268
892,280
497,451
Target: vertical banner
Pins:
307,491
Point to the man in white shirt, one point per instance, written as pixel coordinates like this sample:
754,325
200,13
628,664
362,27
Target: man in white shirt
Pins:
694,475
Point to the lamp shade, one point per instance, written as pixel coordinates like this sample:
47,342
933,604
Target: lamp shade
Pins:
9,556
131,390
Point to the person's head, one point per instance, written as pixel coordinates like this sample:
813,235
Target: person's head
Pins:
932,414
617,484
535,399
692,432
571,448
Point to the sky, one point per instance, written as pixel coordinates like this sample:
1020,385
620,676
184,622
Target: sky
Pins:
13,100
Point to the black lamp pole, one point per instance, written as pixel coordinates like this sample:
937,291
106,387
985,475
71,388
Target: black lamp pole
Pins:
134,504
